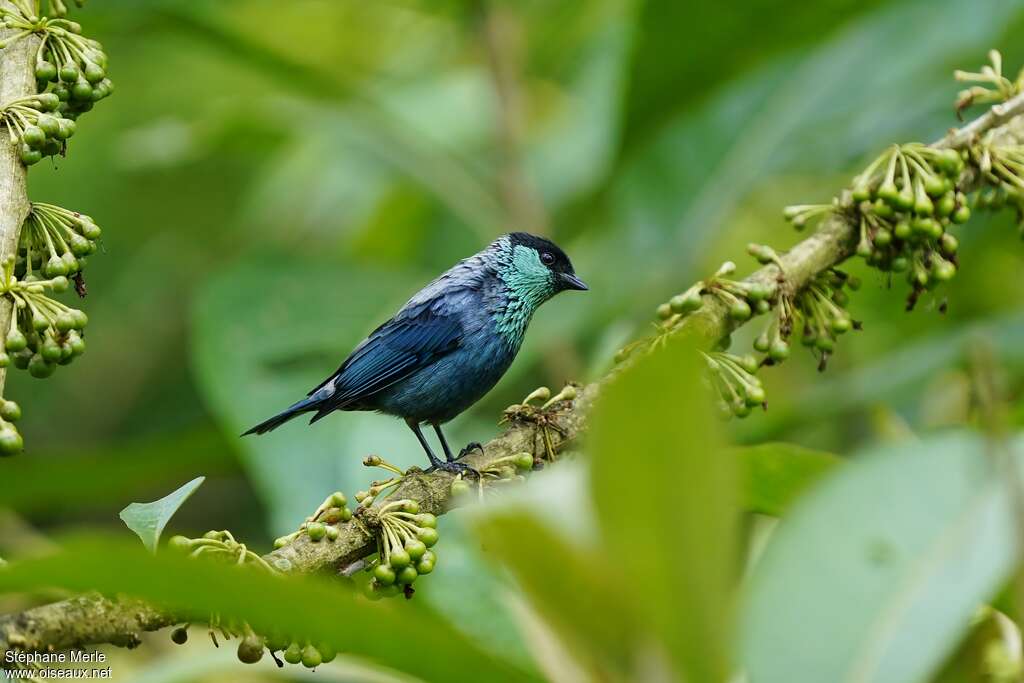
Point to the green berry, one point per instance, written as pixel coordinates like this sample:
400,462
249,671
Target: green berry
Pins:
311,658
48,101
824,343
739,310
902,230
33,136
293,654
762,343
179,544
664,311
277,641
46,71
316,531
81,91
779,350
762,307
949,244
68,73
407,575
94,73
415,548
883,238
10,441
16,341
900,264
946,205
81,319
841,325
250,650
424,566
29,156
39,367
5,360
943,271
961,215
411,506
459,486
55,266
50,350
62,92
49,125
66,129
384,574
399,559
428,536
179,636
428,520
327,652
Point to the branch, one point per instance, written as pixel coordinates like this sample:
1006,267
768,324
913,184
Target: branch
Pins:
17,79
93,620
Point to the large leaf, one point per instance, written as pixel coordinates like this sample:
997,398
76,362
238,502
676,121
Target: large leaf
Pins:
776,474
874,576
148,520
667,500
749,33
405,635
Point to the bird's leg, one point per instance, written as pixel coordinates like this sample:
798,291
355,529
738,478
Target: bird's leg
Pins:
436,463
470,447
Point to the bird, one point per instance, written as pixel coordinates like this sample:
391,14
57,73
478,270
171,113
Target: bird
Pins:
448,345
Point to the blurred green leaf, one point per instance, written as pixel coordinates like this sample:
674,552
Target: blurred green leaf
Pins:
756,32
48,482
776,474
148,520
574,589
402,634
875,574
667,498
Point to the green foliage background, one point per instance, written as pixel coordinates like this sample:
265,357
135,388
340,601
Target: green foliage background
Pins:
274,179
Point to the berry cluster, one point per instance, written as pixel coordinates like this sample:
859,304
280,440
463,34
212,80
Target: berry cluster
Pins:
36,124
323,523
220,545
739,390
55,242
907,199
252,645
1001,167
404,539
990,85
69,67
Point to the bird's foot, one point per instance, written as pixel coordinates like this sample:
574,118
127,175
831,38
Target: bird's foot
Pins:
470,447
455,468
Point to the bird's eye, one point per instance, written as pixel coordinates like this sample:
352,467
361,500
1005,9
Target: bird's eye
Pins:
547,258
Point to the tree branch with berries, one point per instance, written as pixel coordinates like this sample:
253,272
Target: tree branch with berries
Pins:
50,74
898,214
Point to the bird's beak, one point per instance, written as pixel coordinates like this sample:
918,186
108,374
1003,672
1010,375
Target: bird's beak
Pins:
570,281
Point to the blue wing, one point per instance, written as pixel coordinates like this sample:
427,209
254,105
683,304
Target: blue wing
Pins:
398,348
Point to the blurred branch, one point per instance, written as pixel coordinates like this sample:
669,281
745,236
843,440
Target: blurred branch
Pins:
502,39
93,620
17,79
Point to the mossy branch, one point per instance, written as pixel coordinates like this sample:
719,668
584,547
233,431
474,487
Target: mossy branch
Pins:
90,620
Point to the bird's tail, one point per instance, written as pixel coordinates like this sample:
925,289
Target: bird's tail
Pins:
294,410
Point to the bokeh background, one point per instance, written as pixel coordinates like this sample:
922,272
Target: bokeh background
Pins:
275,179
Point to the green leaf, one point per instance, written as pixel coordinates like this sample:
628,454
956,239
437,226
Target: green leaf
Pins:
566,585
776,474
666,495
148,520
755,31
405,635
874,576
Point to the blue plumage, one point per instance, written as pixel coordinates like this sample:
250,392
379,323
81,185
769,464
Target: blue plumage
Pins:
450,343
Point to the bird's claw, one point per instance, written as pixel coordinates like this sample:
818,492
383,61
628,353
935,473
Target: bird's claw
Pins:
470,447
456,468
